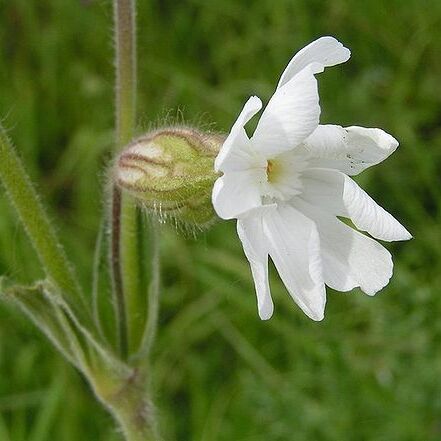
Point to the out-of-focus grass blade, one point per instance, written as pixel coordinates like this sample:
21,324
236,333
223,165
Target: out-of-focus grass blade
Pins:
50,406
4,432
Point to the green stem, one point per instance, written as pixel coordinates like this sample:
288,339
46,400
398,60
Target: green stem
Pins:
127,399
133,429
130,405
125,208
149,335
119,302
125,46
131,265
36,222
98,271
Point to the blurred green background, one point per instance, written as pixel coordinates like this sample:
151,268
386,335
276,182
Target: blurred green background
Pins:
372,369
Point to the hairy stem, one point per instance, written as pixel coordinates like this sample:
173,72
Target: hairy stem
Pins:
131,405
36,222
125,45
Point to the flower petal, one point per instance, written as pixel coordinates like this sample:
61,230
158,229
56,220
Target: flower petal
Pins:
294,247
351,149
236,152
235,193
350,258
291,115
338,194
326,50
250,231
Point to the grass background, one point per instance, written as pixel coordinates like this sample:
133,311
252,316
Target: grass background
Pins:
372,369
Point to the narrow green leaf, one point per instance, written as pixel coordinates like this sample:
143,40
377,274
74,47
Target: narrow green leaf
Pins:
102,310
36,306
36,222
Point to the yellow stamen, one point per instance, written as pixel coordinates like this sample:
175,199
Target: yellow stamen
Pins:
271,170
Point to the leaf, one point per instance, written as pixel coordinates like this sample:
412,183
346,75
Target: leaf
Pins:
48,317
56,319
102,308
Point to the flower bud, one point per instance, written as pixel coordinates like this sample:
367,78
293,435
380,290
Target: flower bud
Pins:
171,172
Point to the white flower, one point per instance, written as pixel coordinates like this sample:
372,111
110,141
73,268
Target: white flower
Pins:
287,184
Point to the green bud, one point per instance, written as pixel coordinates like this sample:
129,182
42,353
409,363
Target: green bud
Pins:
171,172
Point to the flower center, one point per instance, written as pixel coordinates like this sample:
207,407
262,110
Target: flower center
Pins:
272,170
283,176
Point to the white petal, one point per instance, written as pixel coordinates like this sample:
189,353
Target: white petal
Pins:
351,149
349,258
294,248
250,231
236,152
325,50
291,115
340,195
235,193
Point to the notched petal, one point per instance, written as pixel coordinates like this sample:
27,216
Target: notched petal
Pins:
326,51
